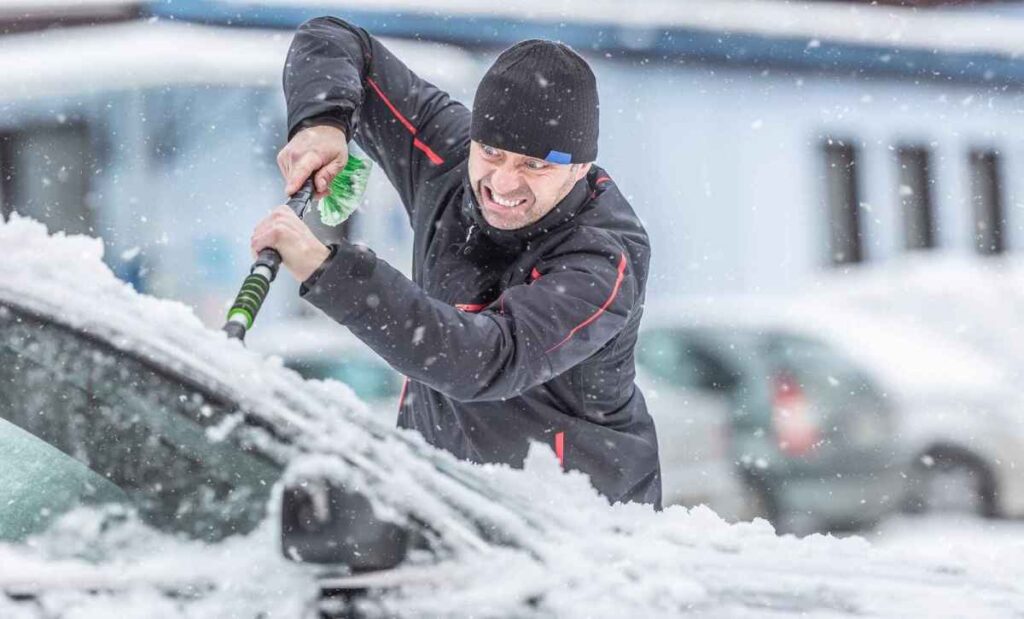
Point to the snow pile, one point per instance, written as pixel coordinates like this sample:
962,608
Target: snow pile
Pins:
64,276
504,542
989,546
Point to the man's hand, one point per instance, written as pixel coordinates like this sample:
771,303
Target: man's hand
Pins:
320,150
301,252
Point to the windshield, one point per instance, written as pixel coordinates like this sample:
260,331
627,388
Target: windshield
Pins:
82,423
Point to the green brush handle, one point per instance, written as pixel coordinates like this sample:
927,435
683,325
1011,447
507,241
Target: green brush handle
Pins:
256,286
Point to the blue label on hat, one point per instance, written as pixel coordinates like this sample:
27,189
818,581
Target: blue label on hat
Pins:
557,156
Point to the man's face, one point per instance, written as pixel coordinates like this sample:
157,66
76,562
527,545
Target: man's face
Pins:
514,190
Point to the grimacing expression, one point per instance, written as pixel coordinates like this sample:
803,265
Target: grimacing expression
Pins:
514,190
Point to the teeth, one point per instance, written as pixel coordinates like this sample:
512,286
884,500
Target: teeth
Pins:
504,202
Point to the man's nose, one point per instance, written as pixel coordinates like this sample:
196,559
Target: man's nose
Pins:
505,179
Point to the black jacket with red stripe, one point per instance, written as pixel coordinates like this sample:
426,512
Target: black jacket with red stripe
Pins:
506,337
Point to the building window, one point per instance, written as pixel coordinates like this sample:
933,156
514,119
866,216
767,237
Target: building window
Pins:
915,192
987,202
842,202
45,173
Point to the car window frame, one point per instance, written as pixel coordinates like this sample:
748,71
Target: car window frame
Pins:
162,373
214,395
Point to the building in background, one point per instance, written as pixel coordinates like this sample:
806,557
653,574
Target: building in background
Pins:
760,141
161,136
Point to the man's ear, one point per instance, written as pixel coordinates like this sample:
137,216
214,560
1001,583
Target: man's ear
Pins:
582,171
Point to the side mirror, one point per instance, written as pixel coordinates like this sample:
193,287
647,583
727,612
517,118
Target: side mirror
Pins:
324,523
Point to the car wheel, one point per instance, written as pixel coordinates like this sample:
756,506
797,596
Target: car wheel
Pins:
954,484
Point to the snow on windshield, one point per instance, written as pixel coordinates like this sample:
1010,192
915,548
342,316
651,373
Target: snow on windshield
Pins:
511,542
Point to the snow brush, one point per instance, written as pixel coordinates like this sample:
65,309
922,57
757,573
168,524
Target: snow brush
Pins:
346,191
341,201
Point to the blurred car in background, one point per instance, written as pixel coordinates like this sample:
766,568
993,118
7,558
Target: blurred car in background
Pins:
319,349
964,456
960,421
952,429
693,444
956,378
811,436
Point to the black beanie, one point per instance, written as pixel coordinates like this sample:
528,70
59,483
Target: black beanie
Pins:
539,98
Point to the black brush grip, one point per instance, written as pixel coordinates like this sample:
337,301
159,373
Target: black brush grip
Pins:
255,287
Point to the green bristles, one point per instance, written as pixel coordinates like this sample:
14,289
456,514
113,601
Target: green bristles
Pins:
347,190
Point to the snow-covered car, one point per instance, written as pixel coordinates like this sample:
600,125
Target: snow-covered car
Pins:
810,436
153,468
955,367
960,419
964,454
956,424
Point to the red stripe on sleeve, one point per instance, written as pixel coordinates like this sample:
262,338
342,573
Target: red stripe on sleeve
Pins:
401,398
607,304
431,155
560,448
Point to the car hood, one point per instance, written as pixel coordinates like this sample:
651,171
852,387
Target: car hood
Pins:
537,541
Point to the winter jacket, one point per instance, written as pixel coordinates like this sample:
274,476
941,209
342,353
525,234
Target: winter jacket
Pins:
505,337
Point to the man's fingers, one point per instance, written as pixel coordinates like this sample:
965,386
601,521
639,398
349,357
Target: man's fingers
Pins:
258,243
283,230
319,150
283,161
297,174
323,178
268,231
258,231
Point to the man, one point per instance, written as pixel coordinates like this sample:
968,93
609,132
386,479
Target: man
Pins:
529,266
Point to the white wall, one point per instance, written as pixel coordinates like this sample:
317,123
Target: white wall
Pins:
724,165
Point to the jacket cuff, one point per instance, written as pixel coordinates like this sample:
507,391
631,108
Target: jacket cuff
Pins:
330,119
342,284
311,280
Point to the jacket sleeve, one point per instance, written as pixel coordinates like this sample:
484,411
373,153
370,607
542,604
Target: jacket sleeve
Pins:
338,74
533,333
